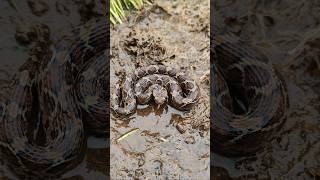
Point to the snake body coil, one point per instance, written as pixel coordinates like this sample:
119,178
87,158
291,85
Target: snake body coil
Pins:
249,98
43,126
158,82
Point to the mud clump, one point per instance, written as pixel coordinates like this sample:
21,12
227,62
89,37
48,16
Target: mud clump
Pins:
144,47
190,140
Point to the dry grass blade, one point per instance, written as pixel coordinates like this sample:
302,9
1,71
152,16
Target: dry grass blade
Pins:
127,134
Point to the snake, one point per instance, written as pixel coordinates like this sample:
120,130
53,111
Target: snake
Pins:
158,83
249,99
51,109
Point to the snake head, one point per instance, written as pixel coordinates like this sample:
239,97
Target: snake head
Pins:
160,95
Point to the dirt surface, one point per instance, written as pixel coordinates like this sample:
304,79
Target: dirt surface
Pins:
23,25
288,32
165,143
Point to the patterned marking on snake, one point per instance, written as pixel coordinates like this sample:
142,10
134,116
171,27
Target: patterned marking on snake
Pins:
158,82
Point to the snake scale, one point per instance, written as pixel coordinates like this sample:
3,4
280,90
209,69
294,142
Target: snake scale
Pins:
49,112
154,82
249,98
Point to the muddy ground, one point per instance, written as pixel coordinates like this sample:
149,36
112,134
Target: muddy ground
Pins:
168,144
288,32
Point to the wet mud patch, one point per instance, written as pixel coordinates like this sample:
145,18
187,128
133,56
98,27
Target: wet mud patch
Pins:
163,142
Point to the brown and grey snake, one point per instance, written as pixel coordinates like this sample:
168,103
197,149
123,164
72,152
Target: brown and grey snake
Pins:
50,111
154,82
249,98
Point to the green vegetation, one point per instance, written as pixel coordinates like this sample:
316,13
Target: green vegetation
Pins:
118,7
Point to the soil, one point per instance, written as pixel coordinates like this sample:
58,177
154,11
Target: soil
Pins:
288,32
168,144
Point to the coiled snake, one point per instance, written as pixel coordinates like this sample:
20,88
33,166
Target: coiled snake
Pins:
70,86
249,99
156,82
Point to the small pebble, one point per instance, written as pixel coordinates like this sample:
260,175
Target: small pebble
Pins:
141,162
181,128
179,147
190,140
